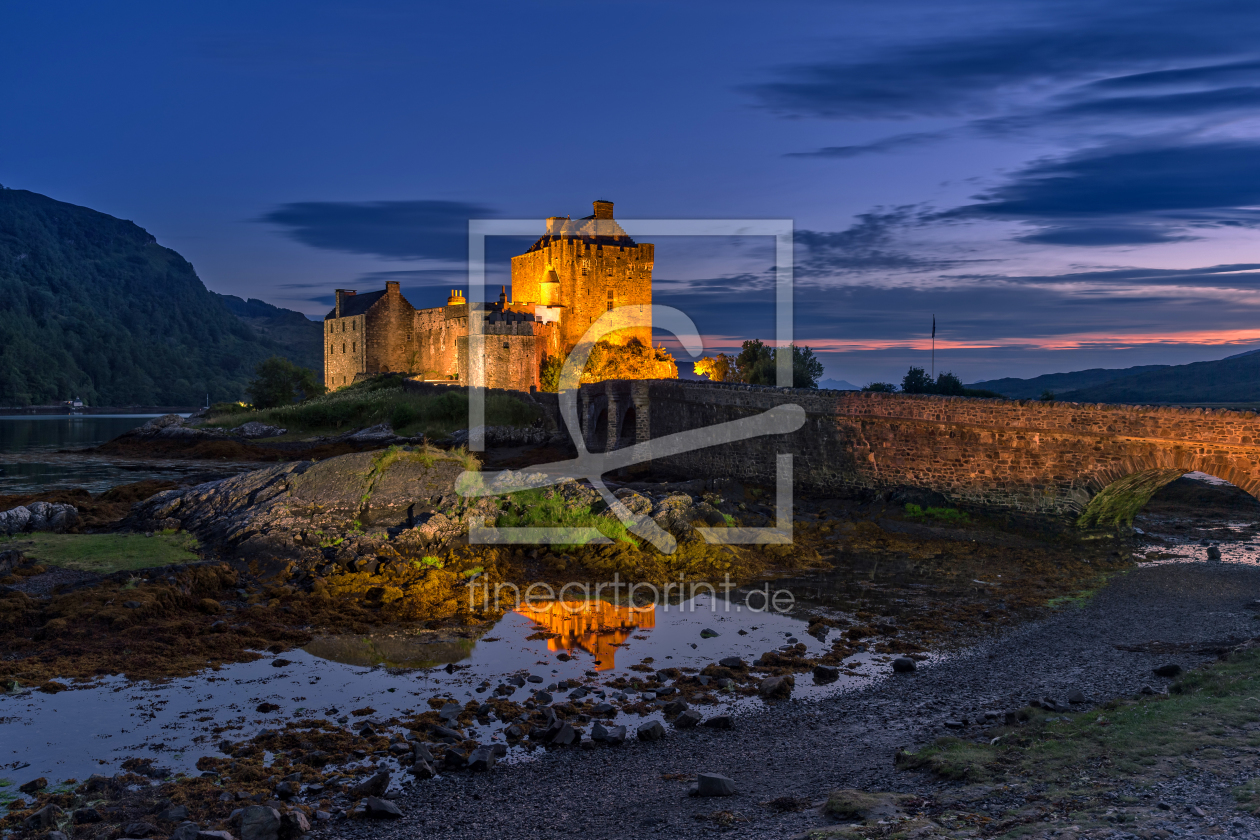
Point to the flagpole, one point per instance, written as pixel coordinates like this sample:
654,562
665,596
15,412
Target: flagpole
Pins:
934,348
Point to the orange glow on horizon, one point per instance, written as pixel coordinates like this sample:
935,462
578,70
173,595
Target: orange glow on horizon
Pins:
1067,341
596,627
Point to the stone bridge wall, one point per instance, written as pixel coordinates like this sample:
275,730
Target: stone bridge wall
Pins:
1048,458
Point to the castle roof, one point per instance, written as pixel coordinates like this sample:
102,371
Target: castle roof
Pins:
595,231
356,304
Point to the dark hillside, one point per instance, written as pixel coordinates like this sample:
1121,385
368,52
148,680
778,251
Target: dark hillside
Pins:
93,306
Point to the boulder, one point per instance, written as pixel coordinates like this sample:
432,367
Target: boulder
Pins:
174,813
482,759
904,665
380,809
422,769
732,662
14,520
186,831
1213,554
720,722
45,817
616,736
824,674
776,688
689,719
255,429
293,824
259,822
651,731
33,785
375,785
714,784
1077,696
140,829
1168,671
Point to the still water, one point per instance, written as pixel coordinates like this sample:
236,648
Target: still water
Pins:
45,452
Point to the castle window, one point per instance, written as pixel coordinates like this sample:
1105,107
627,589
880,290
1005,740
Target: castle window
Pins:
352,346
343,347
611,299
354,325
330,349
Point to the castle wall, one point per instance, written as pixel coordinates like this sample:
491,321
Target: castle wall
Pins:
437,333
344,353
511,356
1035,457
588,273
390,333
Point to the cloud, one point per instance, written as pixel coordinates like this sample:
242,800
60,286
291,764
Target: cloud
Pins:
897,142
978,71
870,244
422,229
1129,193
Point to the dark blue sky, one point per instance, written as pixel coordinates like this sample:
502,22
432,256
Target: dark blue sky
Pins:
1065,185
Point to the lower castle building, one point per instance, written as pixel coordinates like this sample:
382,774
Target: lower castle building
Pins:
575,272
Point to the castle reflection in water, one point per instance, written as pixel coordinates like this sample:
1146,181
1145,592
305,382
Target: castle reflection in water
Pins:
596,627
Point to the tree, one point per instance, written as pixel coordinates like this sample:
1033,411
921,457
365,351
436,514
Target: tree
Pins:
1047,396
758,365
880,387
949,385
916,381
277,382
717,368
549,373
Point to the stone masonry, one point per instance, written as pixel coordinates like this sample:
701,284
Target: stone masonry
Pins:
1031,456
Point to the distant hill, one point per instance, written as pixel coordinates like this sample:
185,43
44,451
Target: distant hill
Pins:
301,337
93,306
1029,389
1232,380
837,385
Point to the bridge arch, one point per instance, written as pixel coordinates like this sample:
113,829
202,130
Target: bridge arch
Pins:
1118,502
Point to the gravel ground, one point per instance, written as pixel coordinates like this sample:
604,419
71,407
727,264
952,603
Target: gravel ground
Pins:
806,749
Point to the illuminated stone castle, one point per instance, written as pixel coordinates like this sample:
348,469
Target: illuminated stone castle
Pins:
578,270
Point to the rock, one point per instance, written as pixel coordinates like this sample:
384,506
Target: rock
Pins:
1076,696
83,816
675,707
422,769
824,674
602,709
186,831
720,722
43,818
450,711
599,732
293,824
776,688
455,759
1213,554
372,434
713,784
1146,689
286,790
651,731
372,786
566,736
139,829
517,681
175,814
706,633
444,733
259,822
34,785
534,678
215,835
904,665
56,835
616,736
689,719
380,809
14,520
543,697
1168,671
482,759
954,724
732,662
255,429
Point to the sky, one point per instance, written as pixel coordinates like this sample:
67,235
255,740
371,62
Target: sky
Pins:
1062,185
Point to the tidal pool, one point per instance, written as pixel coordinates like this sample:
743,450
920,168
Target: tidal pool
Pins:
94,728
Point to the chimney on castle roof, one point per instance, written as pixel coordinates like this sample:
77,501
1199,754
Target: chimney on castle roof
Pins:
555,224
603,209
503,298
342,296
391,287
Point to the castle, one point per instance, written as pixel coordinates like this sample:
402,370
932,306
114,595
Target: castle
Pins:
576,271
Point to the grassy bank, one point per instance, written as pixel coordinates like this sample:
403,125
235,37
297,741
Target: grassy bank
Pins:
1134,742
383,400
105,553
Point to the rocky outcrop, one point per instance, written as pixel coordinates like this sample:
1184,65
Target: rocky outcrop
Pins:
255,429
39,516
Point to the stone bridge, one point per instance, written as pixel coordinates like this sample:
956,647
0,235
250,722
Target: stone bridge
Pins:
1098,464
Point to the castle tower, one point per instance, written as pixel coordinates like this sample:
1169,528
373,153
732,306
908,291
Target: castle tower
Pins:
580,269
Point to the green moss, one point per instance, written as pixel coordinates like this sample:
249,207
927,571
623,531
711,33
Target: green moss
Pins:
548,509
105,553
949,516
1118,502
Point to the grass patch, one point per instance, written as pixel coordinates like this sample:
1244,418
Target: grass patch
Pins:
105,553
1082,597
946,516
382,399
1204,714
548,509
